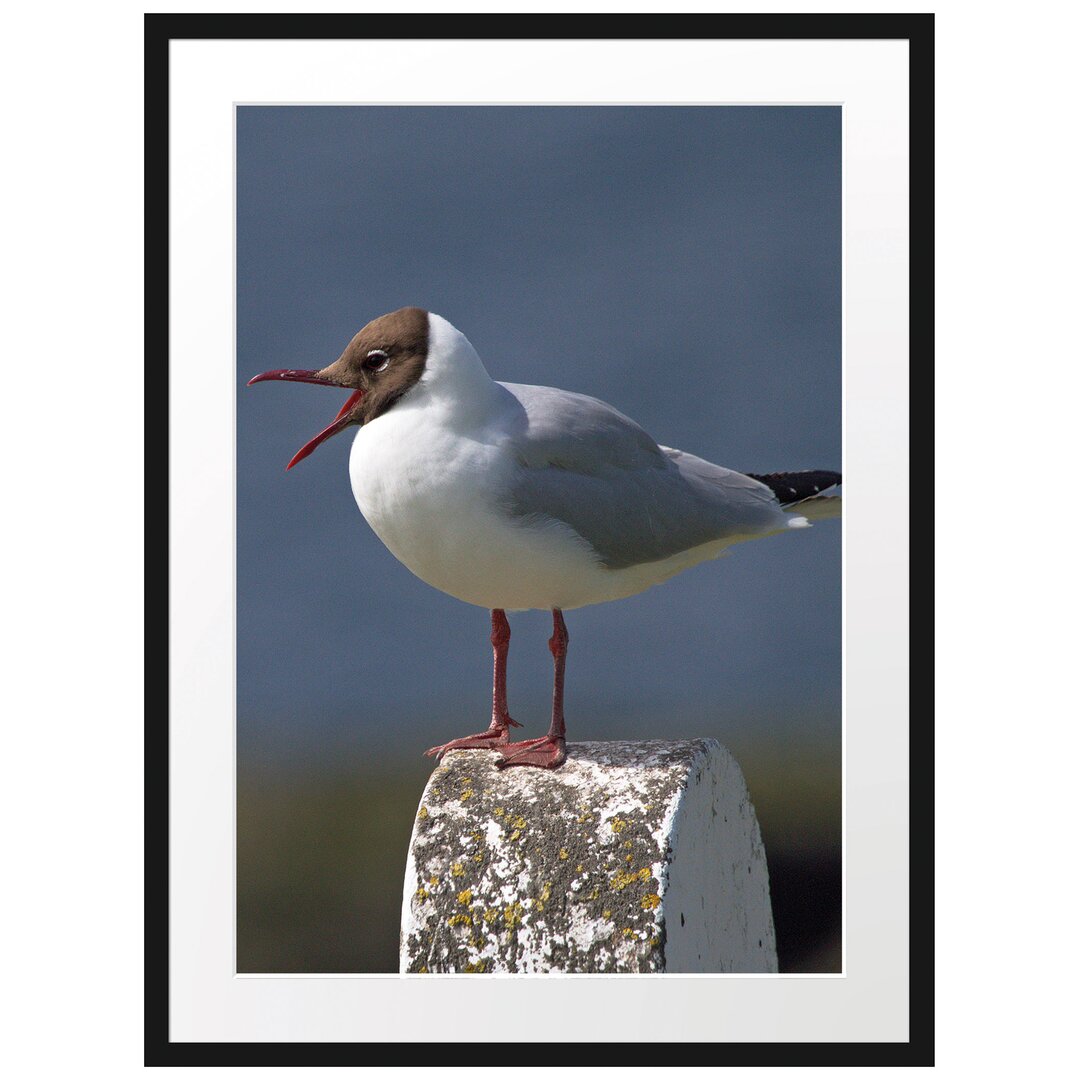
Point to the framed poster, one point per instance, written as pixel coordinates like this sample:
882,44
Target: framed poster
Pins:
609,204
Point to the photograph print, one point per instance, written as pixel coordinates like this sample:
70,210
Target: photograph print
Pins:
539,591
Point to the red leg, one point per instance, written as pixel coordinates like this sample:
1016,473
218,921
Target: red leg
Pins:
500,644
498,734
550,751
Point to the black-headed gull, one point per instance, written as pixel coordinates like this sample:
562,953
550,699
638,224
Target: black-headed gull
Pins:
515,497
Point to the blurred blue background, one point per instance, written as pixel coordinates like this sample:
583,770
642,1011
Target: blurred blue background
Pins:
683,264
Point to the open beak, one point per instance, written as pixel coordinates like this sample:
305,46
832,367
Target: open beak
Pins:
343,419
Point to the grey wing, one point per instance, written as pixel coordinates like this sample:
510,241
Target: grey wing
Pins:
581,462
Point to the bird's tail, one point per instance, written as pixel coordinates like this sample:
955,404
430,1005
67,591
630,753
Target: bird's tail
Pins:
815,493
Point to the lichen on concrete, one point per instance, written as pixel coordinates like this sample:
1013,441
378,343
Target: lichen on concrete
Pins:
529,870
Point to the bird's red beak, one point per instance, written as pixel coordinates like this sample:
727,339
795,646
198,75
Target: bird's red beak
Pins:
343,419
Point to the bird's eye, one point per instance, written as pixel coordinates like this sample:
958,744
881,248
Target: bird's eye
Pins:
376,361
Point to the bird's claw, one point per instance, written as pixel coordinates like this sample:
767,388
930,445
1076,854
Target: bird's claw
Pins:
494,737
547,752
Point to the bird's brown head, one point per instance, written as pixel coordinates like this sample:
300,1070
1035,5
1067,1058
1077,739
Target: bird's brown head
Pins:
381,364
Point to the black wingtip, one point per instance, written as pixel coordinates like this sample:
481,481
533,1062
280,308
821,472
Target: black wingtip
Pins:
793,487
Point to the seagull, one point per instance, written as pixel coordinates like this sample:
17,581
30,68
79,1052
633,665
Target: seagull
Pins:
514,497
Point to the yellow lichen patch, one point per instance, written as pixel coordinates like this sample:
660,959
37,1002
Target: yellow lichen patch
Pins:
460,920
617,825
544,897
433,881
422,813
628,844
629,858
499,811
491,915
516,834
644,873
629,932
478,835
466,795
580,868
563,853
423,969
621,878
465,896
519,822
474,969
457,870
607,913
584,819
478,857
650,901
421,893
653,942
595,894
512,914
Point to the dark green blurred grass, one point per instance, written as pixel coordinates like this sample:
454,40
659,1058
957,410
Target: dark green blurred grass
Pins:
321,853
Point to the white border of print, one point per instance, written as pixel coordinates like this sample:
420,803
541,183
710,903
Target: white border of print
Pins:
208,1001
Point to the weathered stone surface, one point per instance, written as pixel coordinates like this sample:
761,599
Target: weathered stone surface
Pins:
632,857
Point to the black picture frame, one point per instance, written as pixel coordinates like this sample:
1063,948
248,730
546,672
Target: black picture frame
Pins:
918,30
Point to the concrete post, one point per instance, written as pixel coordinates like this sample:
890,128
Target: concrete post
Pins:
632,857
